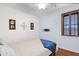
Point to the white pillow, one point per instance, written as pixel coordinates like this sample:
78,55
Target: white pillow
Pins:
5,50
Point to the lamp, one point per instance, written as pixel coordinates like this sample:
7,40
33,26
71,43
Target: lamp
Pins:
41,5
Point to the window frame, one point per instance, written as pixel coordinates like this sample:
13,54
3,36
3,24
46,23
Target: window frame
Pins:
62,22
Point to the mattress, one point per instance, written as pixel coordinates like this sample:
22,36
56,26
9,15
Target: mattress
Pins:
31,47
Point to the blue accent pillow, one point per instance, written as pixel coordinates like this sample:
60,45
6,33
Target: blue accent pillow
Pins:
49,44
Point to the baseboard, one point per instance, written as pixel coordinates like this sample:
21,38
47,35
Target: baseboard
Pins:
64,52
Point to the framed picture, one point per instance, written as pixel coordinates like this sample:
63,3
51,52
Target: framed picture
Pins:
32,26
12,24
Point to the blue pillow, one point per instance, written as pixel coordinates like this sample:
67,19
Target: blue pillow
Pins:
49,44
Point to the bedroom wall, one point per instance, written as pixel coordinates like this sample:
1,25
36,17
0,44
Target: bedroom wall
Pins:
12,36
53,22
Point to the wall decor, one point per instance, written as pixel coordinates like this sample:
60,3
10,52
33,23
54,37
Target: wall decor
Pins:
23,25
46,30
31,26
12,24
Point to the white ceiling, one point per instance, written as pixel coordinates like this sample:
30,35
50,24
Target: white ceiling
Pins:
32,9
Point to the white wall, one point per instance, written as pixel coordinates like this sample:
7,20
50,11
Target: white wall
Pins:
11,36
53,22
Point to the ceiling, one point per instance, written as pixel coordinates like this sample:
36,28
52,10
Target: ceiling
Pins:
34,10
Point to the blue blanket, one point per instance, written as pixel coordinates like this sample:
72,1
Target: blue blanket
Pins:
49,44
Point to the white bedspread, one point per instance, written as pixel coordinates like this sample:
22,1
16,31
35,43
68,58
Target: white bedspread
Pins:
6,51
31,47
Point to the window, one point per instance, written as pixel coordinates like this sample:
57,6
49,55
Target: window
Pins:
70,23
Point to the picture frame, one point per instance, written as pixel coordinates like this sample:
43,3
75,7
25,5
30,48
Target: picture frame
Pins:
31,26
12,24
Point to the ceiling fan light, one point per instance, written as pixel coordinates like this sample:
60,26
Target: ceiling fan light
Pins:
42,5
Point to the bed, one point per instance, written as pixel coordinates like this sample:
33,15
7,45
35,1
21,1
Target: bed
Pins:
30,47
